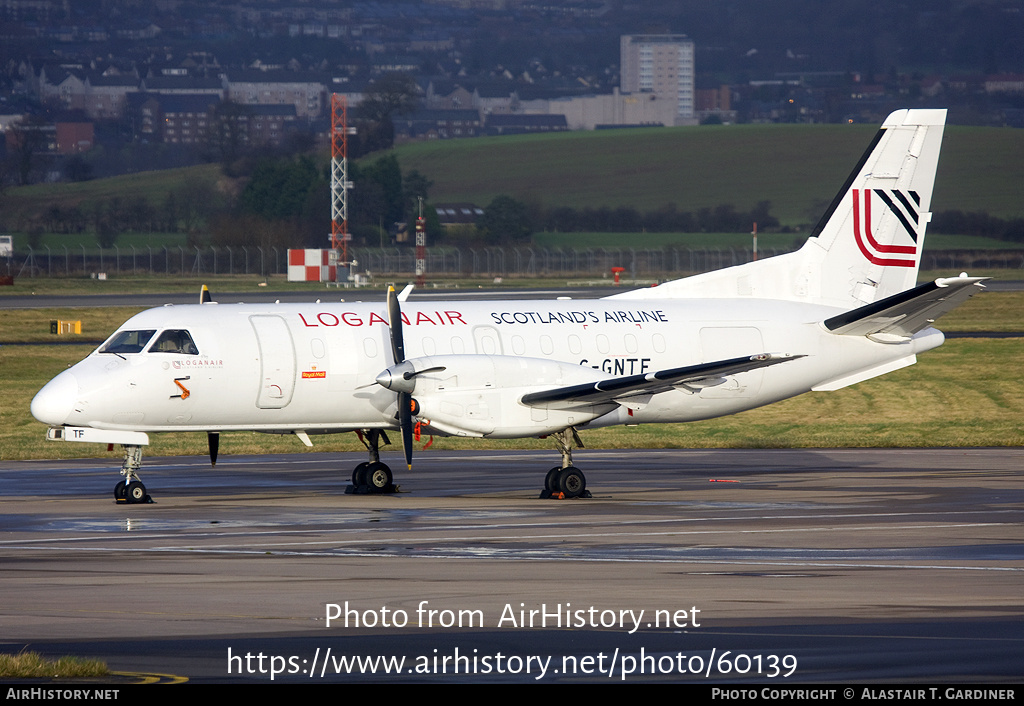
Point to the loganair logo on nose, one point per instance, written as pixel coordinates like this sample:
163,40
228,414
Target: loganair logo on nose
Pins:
903,205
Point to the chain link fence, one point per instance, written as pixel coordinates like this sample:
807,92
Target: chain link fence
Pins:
442,262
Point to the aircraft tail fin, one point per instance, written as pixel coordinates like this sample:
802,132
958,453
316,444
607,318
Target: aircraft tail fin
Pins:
867,245
872,234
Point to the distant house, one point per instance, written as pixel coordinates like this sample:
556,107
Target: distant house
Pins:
74,138
438,125
172,118
1005,83
269,124
186,117
183,85
63,87
106,96
307,92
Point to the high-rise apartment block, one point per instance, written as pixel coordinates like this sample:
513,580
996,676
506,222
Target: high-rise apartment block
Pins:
661,65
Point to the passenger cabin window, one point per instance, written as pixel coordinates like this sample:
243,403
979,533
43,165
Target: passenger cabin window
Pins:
128,342
174,341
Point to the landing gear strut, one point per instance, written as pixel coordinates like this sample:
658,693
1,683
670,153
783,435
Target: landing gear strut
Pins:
131,490
566,481
372,476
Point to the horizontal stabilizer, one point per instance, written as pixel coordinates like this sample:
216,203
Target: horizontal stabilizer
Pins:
610,390
902,315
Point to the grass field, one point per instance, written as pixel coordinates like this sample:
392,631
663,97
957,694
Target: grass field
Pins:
69,247
153,186
739,240
796,167
966,393
32,665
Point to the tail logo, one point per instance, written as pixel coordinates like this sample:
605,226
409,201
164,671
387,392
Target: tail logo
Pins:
903,205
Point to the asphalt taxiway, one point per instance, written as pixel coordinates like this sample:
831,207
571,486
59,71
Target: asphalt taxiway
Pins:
848,565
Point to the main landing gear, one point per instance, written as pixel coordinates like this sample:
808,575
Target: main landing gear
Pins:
566,481
131,490
372,476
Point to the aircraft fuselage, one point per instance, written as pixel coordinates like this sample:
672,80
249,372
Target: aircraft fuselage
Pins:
311,367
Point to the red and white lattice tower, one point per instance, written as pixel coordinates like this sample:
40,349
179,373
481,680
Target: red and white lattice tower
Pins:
340,184
421,248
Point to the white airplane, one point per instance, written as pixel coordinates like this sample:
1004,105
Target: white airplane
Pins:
840,310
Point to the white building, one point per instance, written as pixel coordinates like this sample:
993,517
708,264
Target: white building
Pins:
660,65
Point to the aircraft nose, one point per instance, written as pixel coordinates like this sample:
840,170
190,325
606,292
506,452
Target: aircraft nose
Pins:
54,402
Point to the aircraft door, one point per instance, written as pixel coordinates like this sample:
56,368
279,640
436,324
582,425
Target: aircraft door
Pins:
277,361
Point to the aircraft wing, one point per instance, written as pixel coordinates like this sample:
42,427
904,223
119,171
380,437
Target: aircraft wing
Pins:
902,315
613,389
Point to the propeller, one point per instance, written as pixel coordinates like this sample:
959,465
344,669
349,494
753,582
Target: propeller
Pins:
400,376
398,351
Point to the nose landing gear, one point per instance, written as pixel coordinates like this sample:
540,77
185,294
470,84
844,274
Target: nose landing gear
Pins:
131,490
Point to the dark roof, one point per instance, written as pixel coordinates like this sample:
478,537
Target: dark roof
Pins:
158,83
526,120
254,76
265,109
457,213
177,102
464,114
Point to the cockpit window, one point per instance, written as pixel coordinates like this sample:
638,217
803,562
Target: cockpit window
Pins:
128,341
175,341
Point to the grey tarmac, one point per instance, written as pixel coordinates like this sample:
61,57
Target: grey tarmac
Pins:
862,564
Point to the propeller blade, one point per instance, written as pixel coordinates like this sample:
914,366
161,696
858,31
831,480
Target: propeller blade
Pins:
395,324
204,295
398,350
405,422
213,441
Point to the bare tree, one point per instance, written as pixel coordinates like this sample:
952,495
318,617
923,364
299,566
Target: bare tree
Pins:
27,142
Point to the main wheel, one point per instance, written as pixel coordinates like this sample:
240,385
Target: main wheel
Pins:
135,492
378,477
359,474
119,490
551,479
572,482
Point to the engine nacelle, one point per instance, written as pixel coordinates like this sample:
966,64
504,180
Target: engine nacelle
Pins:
473,395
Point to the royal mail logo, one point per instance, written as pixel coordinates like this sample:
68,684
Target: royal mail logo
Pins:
309,374
903,205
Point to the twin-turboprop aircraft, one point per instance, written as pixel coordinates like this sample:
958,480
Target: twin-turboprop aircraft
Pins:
842,309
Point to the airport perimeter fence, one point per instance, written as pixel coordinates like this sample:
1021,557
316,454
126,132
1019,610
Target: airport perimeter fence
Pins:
447,262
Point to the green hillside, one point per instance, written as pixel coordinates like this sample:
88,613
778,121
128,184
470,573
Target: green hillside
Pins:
154,186
796,167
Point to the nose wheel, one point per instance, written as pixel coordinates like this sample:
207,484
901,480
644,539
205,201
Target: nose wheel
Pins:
131,490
